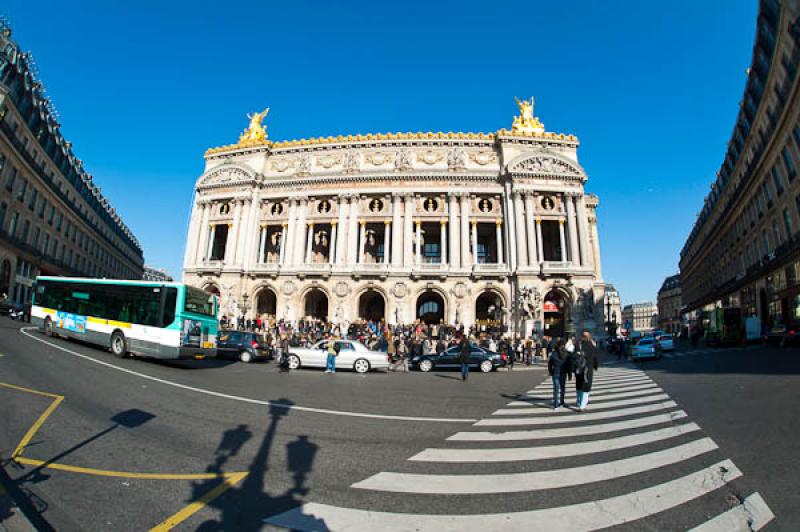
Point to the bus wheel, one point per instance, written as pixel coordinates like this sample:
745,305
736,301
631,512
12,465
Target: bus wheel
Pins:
48,327
119,346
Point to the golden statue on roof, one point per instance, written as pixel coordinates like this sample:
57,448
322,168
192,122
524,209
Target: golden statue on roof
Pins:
526,122
255,132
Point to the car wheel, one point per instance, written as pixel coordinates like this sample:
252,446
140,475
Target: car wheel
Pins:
48,327
294,361
426,365
245,357
361,365
487,366
119,346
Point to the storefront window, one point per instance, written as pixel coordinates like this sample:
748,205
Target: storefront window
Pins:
796,309
775,315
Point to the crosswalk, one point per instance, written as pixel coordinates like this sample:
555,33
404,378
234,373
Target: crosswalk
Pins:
632,433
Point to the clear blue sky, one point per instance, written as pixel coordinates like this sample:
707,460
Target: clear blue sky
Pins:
650,88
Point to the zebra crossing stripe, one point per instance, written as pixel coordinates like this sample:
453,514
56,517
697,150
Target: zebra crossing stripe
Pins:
525,454
595,390
752,514
547,399
534,481
596,406
619,380
580,517
605,394
601,384
590,416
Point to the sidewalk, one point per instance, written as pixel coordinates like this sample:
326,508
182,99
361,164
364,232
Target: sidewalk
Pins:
12,519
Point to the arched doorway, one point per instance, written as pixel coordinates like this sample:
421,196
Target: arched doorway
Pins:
555,314
211,289
266,303
5,277
489,310
430,307
372,306
316,305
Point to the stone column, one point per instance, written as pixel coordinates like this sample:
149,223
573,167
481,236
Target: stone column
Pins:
474,242
233,233
408,252
498,227
511,229
213,233
397,231
362,240
387,243
284,238
242,231
562,239
443,241
583,220
262,241
341,255
539,243
417,244
533,256
255,215
522,244
202,234
455,252
352,231
595,258
309,242
287,244
300,232
574,253
465,233
332,251
198,209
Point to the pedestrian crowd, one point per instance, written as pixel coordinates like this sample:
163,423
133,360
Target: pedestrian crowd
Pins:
578,358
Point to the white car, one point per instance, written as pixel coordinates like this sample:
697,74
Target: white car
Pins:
352,355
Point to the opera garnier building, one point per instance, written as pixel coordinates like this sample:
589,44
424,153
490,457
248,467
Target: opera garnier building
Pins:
488,229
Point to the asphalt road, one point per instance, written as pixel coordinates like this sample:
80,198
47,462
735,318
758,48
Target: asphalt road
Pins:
312,451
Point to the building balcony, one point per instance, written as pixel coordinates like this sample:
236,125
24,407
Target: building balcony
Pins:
266,268
489,269
322,269
430,269
371,269
550,267
210,266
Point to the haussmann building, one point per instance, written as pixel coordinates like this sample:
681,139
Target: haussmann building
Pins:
491,229
743,251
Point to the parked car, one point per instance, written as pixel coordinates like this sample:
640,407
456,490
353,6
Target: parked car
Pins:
244,346
480,358
666,342
6,306
647,347
352,355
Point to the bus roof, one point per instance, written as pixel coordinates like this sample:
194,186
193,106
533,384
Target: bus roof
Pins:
131,282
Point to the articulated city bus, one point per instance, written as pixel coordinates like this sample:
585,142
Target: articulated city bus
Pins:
151,319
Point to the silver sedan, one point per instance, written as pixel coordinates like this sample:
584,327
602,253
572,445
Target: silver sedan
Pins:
352,355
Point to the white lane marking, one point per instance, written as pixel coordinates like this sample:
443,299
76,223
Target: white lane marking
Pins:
565,432
547,411
246,399
580,517
597,391
752,514
595,399
586,416
600,384
534,481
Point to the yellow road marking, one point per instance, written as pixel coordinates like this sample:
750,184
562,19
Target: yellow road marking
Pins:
123,474
42,418
172,521
17,454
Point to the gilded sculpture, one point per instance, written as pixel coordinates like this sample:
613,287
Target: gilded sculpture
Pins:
255,133
526,122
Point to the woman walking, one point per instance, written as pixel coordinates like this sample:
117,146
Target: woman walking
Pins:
559,365
465,350
585,366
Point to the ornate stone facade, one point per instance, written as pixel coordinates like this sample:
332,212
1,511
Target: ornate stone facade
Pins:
459,227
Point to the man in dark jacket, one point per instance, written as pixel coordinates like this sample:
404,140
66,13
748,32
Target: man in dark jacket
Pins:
584,369
463,356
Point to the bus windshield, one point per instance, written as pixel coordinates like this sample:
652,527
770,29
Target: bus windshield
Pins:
199,302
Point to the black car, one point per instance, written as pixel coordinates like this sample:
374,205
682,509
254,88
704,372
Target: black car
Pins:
242,345
480,358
